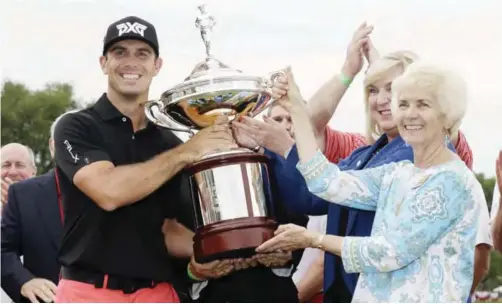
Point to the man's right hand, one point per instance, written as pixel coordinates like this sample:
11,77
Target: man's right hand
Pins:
217,137
39,288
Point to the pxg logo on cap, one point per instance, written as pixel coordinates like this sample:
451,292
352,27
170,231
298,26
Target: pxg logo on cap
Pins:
131,27
127,27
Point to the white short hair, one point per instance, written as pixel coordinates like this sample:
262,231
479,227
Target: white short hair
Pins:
53,126
31,154
445,85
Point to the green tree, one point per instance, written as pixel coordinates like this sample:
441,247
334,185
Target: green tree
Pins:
27,116
494,277
488,184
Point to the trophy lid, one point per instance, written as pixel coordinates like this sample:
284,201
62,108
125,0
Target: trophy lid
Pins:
211,67
212,89
210,70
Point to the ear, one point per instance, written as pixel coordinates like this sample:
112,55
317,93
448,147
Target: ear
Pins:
158,65
102,62
51,147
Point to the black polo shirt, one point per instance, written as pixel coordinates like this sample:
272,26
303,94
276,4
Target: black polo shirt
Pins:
128,241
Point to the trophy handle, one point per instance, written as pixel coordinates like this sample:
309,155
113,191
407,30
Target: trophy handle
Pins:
269,82
273,77
154,114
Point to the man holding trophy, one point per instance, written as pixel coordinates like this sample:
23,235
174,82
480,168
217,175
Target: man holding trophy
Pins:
118,178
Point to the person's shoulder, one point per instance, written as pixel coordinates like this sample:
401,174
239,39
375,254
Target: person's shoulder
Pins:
24,186
80,118
460,178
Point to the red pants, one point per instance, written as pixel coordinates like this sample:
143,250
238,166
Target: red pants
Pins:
78,292
318,298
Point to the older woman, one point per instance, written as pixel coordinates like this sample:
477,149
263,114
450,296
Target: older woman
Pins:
422,243
351,151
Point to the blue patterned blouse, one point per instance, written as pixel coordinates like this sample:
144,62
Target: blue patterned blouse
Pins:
421,248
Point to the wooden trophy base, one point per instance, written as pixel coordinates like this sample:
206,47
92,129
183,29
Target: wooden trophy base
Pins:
232,239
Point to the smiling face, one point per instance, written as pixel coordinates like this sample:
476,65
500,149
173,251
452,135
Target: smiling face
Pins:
130,66
17,163
379,99
418,117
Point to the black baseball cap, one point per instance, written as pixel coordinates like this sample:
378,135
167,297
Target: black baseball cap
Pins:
131,27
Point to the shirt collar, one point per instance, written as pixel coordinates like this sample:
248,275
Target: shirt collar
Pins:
105,109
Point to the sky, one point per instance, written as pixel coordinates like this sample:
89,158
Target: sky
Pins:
60,41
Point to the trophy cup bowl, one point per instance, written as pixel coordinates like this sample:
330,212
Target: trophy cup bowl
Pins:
230,190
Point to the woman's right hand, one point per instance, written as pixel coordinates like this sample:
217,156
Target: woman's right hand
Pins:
354,60
293,98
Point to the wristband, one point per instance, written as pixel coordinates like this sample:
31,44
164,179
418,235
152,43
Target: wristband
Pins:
192,276
345,80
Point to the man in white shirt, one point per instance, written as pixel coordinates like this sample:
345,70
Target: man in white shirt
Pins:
309,274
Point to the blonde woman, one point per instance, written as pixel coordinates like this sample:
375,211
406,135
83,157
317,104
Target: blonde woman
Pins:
421,247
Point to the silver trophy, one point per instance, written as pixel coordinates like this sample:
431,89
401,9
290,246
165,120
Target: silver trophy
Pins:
230,189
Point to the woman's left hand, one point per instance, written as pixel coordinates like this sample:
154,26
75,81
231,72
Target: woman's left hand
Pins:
289,237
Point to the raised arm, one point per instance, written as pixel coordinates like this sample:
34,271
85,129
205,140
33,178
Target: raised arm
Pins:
325,100
355,189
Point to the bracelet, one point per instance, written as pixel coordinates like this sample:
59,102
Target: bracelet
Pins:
318,244
192,276
346,81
